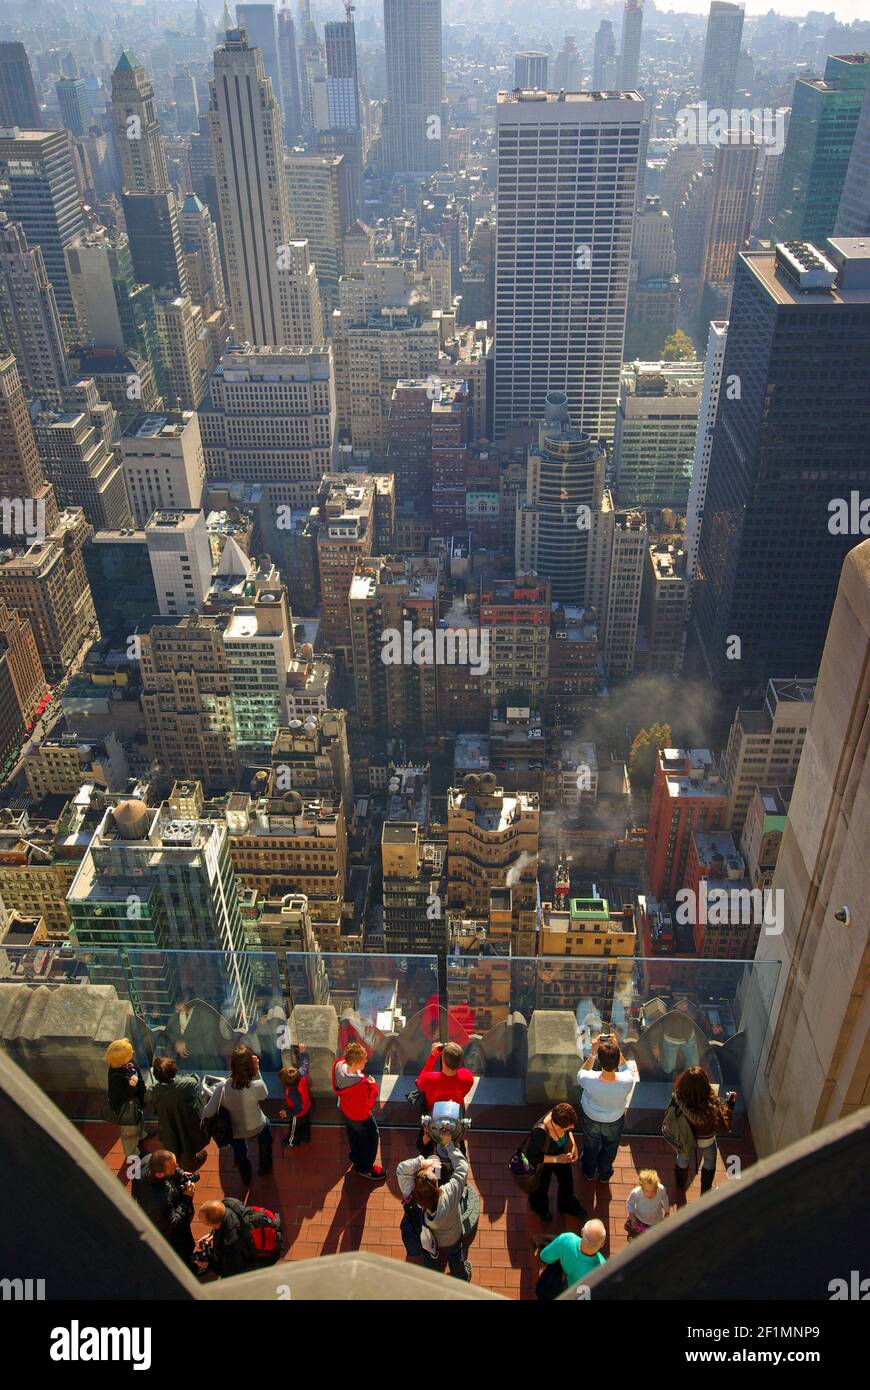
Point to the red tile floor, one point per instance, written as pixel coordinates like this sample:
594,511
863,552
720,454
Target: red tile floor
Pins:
327,1209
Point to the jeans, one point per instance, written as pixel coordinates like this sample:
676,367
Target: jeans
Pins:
565,1199
600,1144
264,1141
456,1261
708,1158
363,1139
685,1053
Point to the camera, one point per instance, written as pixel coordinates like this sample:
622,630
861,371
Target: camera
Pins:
181,1177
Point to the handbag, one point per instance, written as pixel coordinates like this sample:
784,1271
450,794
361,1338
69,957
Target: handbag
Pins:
129,1113
219,1126
551,1282
525,1175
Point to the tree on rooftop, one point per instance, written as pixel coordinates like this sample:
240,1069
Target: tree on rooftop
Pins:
642,757
678,348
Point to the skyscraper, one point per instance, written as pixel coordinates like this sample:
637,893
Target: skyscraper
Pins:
531,70
30,325
721,54
74,109
853,217
785,465
19,104
728,219
289,60
604,58
272,294
259,23
345,116
412,128
568,67
716,339
137,129
821,133
629,59
21,477
38,189
567,176
565,475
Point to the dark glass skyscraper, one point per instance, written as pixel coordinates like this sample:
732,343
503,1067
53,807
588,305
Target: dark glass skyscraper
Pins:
791,443
18,101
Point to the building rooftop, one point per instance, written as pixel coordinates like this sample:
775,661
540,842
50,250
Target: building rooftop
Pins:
160,425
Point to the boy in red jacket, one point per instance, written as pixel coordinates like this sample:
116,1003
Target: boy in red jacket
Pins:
297,1098
452,1082
357,1098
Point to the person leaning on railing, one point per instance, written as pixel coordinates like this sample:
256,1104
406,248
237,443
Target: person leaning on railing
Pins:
605,1096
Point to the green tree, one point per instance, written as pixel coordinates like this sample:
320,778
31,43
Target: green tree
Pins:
678,348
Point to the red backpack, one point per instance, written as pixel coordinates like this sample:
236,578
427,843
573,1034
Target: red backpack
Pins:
263,1230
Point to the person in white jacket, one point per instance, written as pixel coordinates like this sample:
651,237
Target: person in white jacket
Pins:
440,1206
241,1094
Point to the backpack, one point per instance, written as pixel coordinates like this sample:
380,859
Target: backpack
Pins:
263,1233
677,1130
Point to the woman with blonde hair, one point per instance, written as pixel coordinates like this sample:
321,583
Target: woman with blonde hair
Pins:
125,1095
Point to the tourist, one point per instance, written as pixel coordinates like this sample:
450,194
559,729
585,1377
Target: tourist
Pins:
165,1194
576,1256
241,1238
693,1119
125,1095
452,1082
647,1204
605,1096
552,1149
297,1100
176,1100
240,1095
443,1235
357,1098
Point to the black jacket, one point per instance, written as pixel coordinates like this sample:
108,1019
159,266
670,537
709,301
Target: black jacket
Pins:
231,1251
118,1088
167,1206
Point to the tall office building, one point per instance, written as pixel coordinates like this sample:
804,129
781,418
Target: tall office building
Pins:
164,464
260,24
656,424
30,326
187,701
343,108
48,584
812,1046
567,179
114,310
568,67
853,216
785,467
604,58
493,841
764,745
721,54
30,508
75,112
818,148
138,142
629,56
22,680
272,286
199,243
531,71
385,594
19,104
414,114
289,60
179,331
716,339
564,485
38,189
728,218
270,419
320,208
186,102
81,464
180,559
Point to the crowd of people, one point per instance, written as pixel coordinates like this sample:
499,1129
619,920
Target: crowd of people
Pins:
440,1208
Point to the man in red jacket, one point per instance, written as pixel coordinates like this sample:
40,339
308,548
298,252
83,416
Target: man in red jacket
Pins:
357,1098
452,1082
